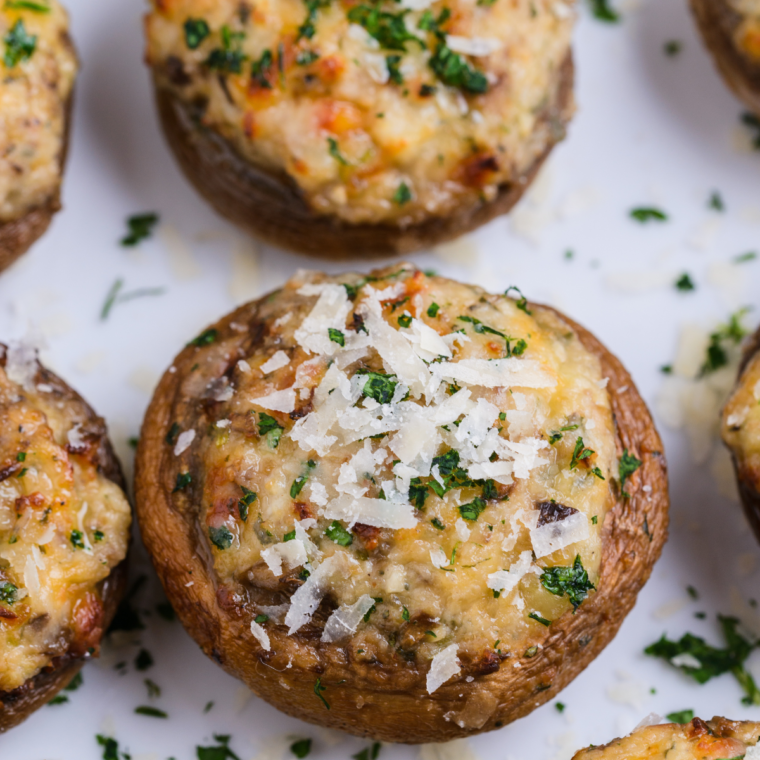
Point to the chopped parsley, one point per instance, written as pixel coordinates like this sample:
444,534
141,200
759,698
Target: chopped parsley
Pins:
229,57
685,283
752,122
27,5
535,616
271,429
402,195
717,356
572,582
712,661
261,619
521,302
370,753
245,502
110,747
557,435
206,338
336,336
116,296
139,228
8,592
393,63
453,70
260,69
672,48
626,467
472,510
298,484
306,57
301,748
432,310
683,716
19,46
144,660
379,387
405,320
220,752
437,523
318,689
77,539
196,30
743,258
151,712
389,29
154,690
220,537
334,150
171,436
601,11
307,28
418,492
648,214
580,452
337,533
716,201
184,479
559,707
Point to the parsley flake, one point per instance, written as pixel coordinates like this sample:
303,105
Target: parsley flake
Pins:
196,30
19,46
572,582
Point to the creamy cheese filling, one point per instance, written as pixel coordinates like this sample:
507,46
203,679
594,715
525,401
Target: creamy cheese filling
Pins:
414,452
38,67
63,527
388,111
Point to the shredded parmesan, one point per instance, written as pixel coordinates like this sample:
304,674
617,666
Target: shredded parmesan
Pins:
261,636
183,442
278,361
554,536
277,401
444,666
345,620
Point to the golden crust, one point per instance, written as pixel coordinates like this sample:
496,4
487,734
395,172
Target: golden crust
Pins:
270,206
391,703
19,704
719,23
697,740
18,235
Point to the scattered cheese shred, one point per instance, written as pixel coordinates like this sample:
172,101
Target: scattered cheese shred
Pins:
444,666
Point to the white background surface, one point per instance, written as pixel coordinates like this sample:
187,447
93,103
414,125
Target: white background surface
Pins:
650,130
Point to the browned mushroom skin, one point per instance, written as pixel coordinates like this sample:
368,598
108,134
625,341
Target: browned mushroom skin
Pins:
722,26
17,705
381,701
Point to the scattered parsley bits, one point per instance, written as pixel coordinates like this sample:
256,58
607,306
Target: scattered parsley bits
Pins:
472,510
393,63
684,283
432,310
405,320
171,436
402,195
626,467
21,456
601,11
220,537
19,46
184,479
139,228
389,29
151,712
648,214
196,30
337,533
98,535
77,539
260,69
154,690
672,48
557,435
710,661
535,616
580,452
454,71
521,302
318,689
307,28
110,747
58,699
7,592
531,652
220,752
245,502
405,614
559,707
752,123
334,150
301,748
437,524
716,202
683,716
206,338
306,57
261,619
379,387
336,336
743,258
228,58
27,5
298,484
370,753
733,332
144,660
572,582
271,429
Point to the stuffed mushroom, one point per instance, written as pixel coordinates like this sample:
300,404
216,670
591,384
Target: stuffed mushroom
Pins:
64,533
716,739
740,430
731,30
38,66
380,127
398,505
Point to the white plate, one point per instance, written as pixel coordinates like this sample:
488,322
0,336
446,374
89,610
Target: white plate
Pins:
650,130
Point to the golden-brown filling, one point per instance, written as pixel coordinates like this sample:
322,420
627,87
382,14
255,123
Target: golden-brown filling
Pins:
376,111
741,422
717,739
437,459
38,67
63,527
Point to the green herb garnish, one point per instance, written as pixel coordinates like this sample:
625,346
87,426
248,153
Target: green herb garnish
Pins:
220,537
572,582
196,30
19,46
